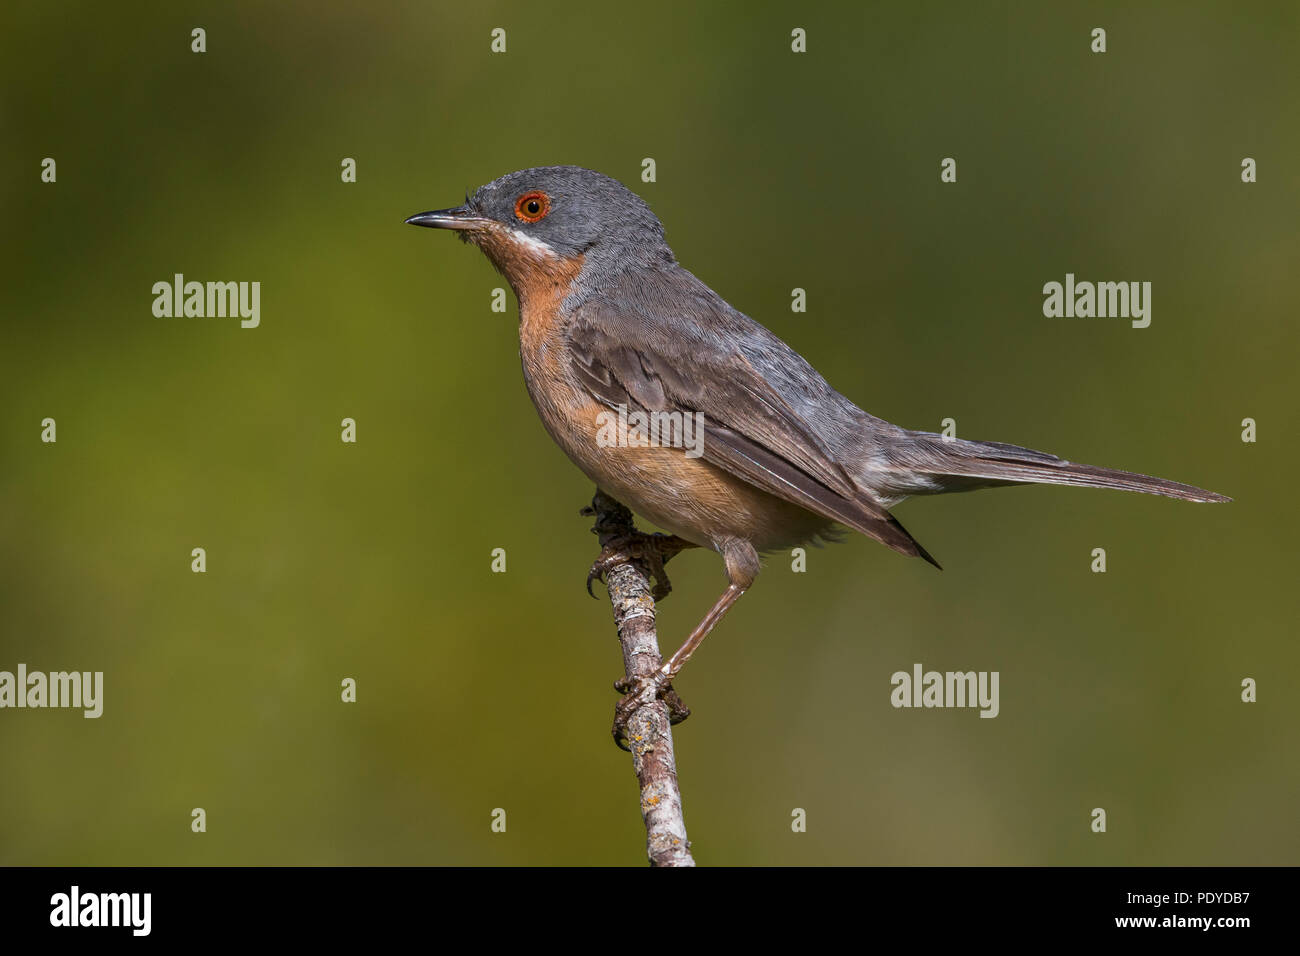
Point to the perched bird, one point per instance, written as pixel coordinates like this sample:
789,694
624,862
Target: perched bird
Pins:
609,321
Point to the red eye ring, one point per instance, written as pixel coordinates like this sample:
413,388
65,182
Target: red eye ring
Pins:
533,206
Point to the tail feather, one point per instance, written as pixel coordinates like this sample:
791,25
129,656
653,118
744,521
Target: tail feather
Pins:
938,465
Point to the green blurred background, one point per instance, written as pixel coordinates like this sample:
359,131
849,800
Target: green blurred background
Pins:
479,690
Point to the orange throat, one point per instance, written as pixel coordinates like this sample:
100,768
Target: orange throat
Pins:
539,276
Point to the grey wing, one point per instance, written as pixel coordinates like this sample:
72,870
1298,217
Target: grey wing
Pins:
750,430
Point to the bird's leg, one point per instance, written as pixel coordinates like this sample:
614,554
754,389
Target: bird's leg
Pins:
641,691
742,567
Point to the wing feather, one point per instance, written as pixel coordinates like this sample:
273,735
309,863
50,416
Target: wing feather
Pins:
749,429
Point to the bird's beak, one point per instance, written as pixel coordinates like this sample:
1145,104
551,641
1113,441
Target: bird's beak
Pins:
460,217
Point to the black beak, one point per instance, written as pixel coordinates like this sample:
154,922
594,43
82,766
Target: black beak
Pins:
459,217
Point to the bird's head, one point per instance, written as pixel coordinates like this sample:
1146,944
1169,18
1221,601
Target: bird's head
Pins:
554,218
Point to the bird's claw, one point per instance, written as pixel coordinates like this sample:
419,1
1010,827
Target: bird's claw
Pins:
651,549
637,693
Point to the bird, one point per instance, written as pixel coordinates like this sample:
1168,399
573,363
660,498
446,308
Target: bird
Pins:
611,323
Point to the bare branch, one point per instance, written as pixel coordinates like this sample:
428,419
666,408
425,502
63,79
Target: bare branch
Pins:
649,732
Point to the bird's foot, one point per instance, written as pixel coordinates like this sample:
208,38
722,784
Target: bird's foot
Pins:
653,550
637,693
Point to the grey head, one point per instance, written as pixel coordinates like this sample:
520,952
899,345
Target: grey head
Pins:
527,218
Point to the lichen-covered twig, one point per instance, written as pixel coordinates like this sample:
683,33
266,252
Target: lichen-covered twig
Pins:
648,731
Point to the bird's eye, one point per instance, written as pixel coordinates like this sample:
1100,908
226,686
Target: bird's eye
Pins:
530,207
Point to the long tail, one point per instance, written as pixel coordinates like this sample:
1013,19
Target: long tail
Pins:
923,463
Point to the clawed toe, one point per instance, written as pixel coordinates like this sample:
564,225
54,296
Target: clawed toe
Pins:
637,693
651,549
